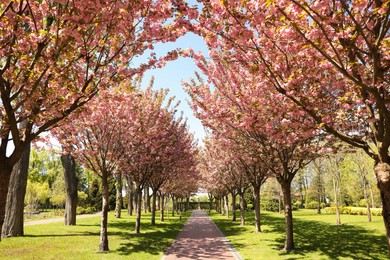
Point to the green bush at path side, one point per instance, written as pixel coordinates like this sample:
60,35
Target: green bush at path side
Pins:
315,236
56,241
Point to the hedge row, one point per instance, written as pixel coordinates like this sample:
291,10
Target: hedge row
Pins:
354,211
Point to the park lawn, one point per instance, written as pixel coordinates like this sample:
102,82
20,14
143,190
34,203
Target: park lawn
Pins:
56,241
315,236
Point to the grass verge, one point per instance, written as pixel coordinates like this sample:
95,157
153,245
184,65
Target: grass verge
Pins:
315,236
56,241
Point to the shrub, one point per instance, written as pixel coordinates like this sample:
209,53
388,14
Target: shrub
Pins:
354,211
250,206
270,205
314,205
85,210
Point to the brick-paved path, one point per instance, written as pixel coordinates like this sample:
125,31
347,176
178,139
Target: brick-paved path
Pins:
200,239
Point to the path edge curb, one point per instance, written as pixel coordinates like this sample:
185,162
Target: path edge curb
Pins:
237,256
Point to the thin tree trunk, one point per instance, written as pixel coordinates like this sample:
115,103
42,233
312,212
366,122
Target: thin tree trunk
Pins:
146,195
158,203
256,195
119,198
162,207
71,183
103,247
382,172
139,209
319,190
366,198
13,223
289,243
372,196
130,196
135,199
187,206
210,202
154,198
234,216
222,205
336,199
173,206
242,210
227,205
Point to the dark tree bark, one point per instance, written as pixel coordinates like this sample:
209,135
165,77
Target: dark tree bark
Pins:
5,175
187,205
13,223
234,215
105,207
382,172
210,201
227,206
119,198
286,189
71,184
158,203
242,209
154,199
173,206
139,209
256,195
130,195
135,199
162,207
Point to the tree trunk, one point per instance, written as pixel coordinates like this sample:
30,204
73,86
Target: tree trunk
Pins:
173,206
130,196
382,172
222,205
103,247
242,210
71,183
210,202
139,209
234,216
366,198
289,243
119,198
372,196
256,195
135,199
158,203
336,199
146,195
154,198
227,205
162,207
187,204
319,190
13,223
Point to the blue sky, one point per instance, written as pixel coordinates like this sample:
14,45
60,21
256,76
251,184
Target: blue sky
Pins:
176,71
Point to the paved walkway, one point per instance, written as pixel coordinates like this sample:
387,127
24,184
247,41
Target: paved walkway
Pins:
201,239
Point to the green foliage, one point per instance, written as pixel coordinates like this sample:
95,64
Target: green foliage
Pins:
44,166
314,205
58,192
36,193
85,210
269,205
354,211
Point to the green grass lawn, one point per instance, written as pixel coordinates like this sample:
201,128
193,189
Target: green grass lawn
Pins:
56,241
315,236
